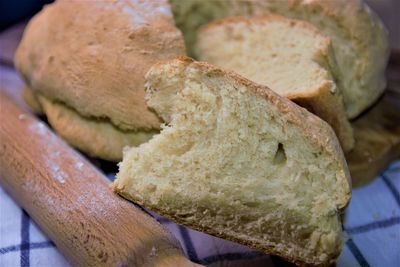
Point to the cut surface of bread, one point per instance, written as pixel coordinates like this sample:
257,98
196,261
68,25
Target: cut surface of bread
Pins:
351,25
93,55
377,135
238,161
98,138
291,57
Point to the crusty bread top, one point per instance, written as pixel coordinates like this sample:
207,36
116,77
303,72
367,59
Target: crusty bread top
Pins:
322,136
92,56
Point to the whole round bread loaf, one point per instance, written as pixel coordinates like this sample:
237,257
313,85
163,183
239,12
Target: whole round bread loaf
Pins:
89,58
359,38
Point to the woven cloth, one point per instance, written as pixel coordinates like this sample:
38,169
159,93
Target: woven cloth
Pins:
372,226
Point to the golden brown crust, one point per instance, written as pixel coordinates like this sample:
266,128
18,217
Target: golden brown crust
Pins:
31,100
95,137
210,231
328,107
99,73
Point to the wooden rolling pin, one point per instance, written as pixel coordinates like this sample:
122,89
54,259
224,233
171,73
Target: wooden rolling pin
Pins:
71,200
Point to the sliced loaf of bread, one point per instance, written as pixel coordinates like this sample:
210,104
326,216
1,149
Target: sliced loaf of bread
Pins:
358,36
238,161
291,57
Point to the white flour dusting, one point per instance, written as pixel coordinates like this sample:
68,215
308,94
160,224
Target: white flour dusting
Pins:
50,158
94,199
79,165
139,12
22,117
58,174
153,252
38,128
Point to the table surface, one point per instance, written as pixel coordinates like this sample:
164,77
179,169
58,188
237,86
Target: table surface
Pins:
372,223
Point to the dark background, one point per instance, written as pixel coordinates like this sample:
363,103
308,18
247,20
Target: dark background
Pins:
13,11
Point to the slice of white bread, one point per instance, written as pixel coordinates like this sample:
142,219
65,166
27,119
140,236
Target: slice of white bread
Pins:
377,135
238,161
291,57
358,36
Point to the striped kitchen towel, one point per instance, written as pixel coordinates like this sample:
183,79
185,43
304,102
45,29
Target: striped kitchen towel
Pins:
372,225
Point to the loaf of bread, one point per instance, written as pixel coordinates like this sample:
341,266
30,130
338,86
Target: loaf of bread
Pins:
238,161
377,135
88,60
291,57
358,36
90,57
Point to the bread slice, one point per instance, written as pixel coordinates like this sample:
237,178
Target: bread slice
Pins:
92,56
291,57
358,36
238,161
377,136
98,138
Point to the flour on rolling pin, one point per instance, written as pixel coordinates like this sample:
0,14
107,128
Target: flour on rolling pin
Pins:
52,159
72,202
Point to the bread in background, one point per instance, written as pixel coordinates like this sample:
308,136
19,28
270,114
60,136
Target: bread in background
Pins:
358,37
291,57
